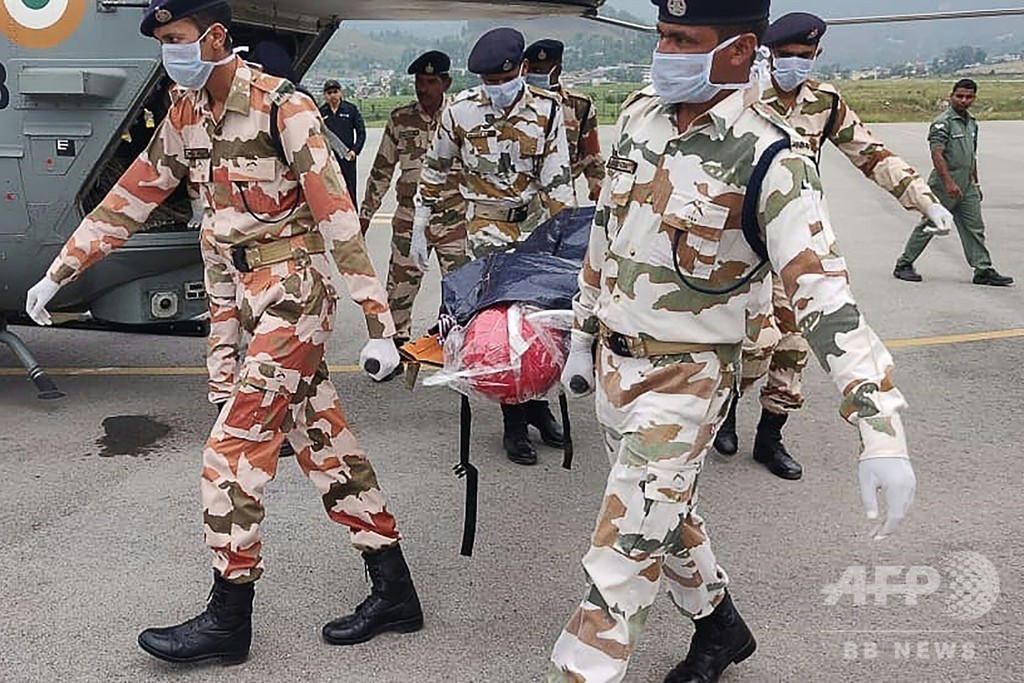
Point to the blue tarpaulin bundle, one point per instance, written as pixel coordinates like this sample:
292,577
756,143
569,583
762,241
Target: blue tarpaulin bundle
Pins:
541,272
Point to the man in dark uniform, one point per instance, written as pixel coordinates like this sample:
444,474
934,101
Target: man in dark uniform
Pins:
345,121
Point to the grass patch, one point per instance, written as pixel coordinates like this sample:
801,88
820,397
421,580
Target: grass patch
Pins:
906,101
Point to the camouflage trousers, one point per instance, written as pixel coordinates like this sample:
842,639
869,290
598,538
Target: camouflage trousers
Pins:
446,236
224,341
779,352
658,417
284,390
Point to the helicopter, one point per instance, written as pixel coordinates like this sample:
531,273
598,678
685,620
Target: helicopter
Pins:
81,92
72,124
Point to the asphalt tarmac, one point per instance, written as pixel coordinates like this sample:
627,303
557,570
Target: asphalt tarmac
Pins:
100,524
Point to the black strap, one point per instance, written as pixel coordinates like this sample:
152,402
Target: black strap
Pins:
751,226
275,132
567,447
749,222
826,134
467,470
551,120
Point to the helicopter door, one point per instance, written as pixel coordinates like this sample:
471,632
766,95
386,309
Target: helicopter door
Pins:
13,212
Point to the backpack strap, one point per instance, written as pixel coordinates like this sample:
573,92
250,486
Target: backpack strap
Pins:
751,226
551,119
826,134
275,131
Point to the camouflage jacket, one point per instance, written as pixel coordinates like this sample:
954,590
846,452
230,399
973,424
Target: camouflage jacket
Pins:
406,140
506,160
581,129
810,116
662,184
252,196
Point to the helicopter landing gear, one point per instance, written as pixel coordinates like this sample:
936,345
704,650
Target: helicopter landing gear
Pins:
48,390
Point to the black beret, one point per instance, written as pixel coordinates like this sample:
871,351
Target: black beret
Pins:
498,51
331,84
274,59
433,63
546,50
797,27
162,12
711,12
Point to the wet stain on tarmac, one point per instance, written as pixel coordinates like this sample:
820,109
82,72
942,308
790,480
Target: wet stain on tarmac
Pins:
131,435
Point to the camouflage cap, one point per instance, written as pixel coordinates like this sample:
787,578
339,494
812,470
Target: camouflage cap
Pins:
801,28
161,12
711,12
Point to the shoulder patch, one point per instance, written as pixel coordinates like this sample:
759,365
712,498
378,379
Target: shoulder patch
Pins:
403,110
544,94
824,87
470,95
797,142
639,96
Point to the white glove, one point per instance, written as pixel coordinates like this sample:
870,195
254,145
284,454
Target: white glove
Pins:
379,358
420,253
895,478
942,221
38,297
578,374
198,212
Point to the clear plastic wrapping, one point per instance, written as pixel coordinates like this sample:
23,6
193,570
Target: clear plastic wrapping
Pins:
507,354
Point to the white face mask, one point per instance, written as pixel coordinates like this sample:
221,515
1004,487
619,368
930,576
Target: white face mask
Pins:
791,72
184,63
686,79
542,81
502,96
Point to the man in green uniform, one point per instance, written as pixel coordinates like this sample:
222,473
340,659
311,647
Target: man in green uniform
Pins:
954,142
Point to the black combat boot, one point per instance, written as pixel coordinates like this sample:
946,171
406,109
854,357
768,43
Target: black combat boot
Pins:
720,639
392,605
992,278
223,631
769,449
538,414
906,272
726,441
516,438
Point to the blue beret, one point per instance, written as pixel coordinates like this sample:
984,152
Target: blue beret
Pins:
433,63
711,12
797,27
498,51
162,12
547,50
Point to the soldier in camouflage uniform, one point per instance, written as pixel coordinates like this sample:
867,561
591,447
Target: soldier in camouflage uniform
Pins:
278,213
545,60
663,291
407,137
510,141
818,112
